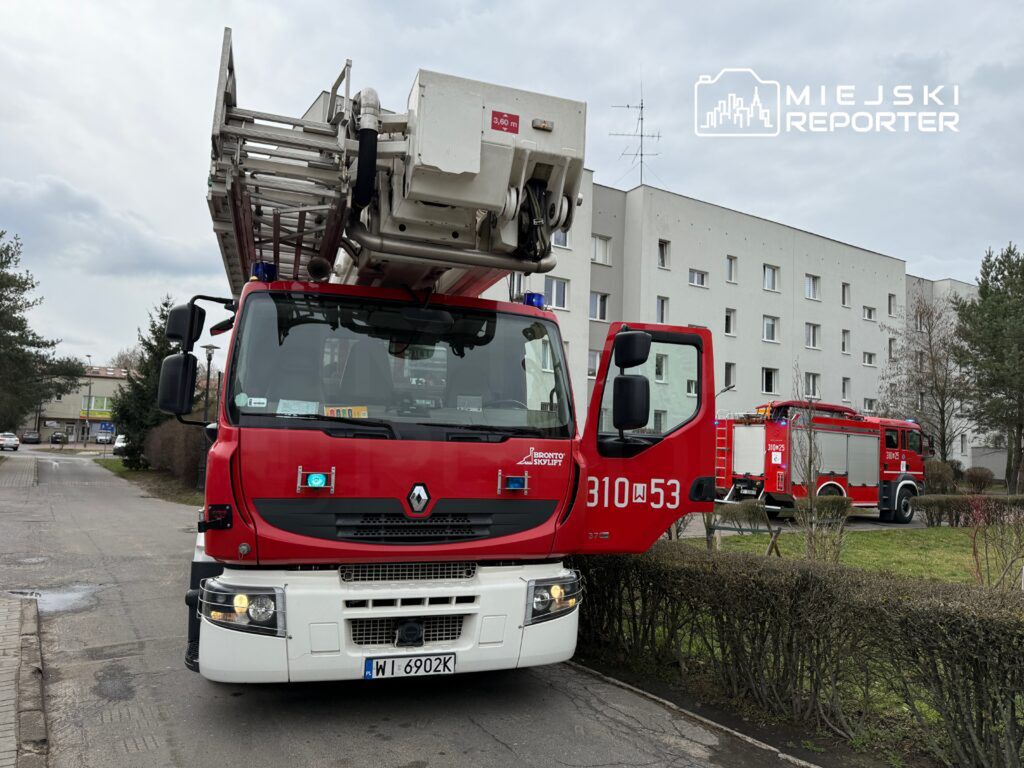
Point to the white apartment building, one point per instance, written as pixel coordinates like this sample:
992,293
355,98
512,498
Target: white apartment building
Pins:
780,301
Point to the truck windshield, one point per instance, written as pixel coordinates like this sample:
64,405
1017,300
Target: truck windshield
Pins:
305,361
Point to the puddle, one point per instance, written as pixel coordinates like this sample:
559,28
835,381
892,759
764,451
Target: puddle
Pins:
75,597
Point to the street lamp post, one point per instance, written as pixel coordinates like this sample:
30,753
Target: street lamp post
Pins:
88,404
210,349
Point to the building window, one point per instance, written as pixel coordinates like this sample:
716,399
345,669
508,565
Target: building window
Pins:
963,444
698,278
599,252
598,306
661,368
869,312
769,381
730,374
812,335
845,348
869,405
812,287
846,389
661,311
869,359
919,322
556,292
892,348
892,305
659,421
920,401
846,294
769,328
560,238
691,387
812,383
730,322
664,254
771,278
732,269
919,355
593,361
546,363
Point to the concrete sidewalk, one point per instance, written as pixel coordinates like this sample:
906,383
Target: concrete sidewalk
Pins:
23,740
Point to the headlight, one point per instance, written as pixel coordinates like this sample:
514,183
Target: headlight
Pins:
550,598
249,609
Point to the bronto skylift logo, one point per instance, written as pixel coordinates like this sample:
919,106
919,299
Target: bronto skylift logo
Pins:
738,103
542,459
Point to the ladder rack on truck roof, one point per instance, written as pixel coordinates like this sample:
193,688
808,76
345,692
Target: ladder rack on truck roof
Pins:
465,187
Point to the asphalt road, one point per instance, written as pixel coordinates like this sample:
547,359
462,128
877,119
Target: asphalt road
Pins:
110,568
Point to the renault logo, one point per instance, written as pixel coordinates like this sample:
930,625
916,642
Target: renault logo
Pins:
418,498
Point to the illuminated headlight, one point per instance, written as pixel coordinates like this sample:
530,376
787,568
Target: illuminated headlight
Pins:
248,609
551,598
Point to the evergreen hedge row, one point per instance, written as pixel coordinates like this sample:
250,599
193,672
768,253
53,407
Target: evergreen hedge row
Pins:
822,645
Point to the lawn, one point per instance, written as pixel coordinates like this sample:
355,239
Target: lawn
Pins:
931,553
159,484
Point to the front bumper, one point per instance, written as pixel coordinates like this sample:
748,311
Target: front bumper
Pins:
333,626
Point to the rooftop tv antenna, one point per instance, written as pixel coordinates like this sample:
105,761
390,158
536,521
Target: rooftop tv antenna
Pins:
638,133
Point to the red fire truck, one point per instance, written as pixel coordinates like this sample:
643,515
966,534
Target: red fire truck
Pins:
877,463
397,469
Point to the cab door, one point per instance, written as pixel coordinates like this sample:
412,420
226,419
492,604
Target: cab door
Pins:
640,475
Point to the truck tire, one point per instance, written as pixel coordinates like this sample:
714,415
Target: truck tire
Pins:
904,512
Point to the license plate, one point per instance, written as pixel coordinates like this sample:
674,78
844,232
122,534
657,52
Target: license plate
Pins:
748,491
409,666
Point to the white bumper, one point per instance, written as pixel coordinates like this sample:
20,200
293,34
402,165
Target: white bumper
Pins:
331,630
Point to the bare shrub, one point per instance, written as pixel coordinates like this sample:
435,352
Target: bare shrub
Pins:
978,479
938,477
823,526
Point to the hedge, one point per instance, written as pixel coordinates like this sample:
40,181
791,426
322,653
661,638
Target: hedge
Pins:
177,448
822,645
955,509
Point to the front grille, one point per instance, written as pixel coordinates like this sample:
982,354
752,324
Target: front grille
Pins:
385,527
436,629
383,521
457,571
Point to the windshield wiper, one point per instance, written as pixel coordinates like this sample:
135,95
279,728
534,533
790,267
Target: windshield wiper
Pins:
353,420
534,431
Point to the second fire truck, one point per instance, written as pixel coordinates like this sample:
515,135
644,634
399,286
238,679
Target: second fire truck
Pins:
876,462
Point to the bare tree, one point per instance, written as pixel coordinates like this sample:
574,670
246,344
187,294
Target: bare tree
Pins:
921,379
127,358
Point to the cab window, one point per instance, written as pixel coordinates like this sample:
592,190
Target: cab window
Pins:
892,439
914,441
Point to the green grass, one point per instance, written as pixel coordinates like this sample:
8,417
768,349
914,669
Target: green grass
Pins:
159,484
943,554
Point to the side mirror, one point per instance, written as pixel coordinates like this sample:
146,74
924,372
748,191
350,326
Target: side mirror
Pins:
185,324
177,383
631,401
632,348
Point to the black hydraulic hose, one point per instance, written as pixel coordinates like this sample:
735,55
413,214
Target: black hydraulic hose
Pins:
367,170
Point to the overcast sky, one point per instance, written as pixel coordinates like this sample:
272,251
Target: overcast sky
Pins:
105,112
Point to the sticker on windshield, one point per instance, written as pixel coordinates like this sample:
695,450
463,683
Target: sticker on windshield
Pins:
257,402
296,407
346,411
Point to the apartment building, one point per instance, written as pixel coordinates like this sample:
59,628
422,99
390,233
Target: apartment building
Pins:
781,302
83,414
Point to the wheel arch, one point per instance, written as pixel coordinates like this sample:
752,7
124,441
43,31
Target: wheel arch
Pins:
831,484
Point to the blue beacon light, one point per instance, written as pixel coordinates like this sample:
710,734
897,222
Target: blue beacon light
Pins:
534,300
316,480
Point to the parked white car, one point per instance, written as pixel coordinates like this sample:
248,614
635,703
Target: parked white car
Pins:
119,444
9,441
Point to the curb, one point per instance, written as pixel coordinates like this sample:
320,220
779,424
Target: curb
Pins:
33,741
783,756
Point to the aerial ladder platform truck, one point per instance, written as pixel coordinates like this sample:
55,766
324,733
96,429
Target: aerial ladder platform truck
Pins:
398,470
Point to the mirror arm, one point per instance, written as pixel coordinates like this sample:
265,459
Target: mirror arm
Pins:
190,422
229,305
